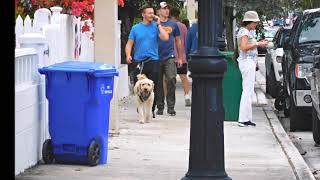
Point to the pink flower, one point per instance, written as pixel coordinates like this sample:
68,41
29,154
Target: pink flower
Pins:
121,3
76,9
34,1
90,8
85,28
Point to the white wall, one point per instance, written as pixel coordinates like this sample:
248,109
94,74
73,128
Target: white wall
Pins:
30,127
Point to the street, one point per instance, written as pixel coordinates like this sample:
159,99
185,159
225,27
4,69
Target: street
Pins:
303,140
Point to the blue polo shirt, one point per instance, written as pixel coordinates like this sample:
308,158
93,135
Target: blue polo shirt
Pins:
192,40
166,48
145,38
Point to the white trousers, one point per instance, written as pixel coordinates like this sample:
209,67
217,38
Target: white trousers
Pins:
248,70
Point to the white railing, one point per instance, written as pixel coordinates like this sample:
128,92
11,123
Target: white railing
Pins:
30,109
26,64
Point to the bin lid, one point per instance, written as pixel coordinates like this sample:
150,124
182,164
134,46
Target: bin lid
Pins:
227,53
97,69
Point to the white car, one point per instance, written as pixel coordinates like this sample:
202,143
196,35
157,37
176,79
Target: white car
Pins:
273,59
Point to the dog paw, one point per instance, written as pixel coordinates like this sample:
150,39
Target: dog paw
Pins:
141,122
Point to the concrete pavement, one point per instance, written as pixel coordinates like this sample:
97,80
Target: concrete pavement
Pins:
159,150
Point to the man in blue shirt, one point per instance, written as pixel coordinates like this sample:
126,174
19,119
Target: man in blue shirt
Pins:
144,37
168,67
192,40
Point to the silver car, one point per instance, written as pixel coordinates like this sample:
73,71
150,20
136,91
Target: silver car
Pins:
273,59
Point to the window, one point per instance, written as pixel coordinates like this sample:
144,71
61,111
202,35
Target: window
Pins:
310,30
285,33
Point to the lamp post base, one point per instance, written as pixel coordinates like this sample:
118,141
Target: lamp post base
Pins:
206,178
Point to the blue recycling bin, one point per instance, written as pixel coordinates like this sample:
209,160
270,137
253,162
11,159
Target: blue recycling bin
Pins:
79,95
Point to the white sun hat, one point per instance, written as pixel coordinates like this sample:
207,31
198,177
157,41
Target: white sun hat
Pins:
251,16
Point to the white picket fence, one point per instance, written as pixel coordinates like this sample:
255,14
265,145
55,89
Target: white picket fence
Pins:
49,38
63,42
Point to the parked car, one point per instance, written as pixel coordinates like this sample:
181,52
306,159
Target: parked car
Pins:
299,51
273,60
315,94
268,33
278,22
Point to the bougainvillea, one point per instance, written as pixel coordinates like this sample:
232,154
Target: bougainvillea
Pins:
79,8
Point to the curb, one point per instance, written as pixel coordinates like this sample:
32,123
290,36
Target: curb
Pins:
297,163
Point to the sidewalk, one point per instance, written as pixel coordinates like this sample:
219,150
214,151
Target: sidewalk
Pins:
159,150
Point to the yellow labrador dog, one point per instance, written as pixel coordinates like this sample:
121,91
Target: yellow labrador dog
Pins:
143,89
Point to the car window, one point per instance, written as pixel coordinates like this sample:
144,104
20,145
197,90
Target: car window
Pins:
310,30
284,34
270,33
276,38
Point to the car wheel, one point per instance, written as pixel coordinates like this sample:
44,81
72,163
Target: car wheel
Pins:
286,105
267,83
294,115
272,83
278,103
315,126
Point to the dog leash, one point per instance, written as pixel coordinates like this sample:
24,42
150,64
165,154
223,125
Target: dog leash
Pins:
142,64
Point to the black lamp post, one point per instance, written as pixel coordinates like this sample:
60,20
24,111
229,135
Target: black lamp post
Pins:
221,43
207,66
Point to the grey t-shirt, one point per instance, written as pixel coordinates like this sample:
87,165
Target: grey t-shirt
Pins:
252,40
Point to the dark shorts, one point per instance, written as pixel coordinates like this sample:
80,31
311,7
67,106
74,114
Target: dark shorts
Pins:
183,69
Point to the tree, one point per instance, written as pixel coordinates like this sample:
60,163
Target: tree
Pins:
265,8
300,5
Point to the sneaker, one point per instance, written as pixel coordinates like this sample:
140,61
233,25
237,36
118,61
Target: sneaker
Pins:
160,112
187,99
171,112
245,124
249,123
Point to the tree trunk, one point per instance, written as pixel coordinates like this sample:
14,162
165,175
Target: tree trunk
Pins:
228,18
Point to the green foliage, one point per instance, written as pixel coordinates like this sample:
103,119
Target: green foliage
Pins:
138,4
137,20
300,5
183,14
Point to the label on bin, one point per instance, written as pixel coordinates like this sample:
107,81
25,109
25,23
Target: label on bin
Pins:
104,90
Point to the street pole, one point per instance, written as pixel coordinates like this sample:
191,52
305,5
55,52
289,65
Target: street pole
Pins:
221,43
207,66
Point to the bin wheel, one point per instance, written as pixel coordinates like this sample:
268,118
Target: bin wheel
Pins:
47,152
94,153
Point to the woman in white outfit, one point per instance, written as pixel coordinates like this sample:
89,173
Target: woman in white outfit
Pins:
248,55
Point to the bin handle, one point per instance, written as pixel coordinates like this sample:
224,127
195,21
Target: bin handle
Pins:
68,74
42,70
106,74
